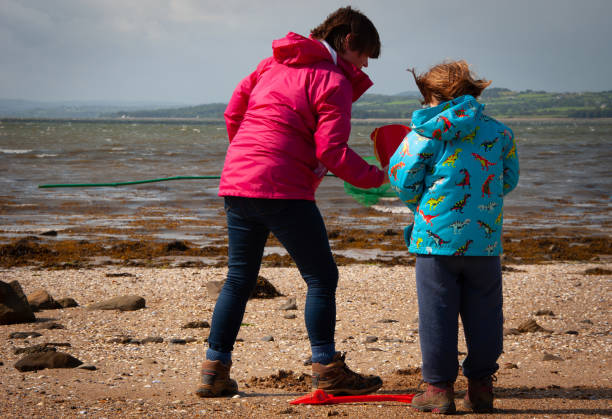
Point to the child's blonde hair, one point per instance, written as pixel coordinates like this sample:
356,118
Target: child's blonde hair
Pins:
447,81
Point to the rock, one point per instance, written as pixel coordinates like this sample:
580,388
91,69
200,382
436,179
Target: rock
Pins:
190,340
571,332
24,335
370,339
544,313
50,325
120,339
268,339
199,324
41,360
153,339
264,289
551,357
43,347
213,288
177,341
289,305
42,300
67,302
510,366
176,246
289,316
124,303
530,326
14,306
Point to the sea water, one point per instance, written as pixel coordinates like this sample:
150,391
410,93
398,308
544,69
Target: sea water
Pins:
565,165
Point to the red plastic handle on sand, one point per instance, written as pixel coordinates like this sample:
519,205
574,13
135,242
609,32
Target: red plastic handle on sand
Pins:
321,397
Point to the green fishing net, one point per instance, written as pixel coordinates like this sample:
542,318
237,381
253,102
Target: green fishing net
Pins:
370,196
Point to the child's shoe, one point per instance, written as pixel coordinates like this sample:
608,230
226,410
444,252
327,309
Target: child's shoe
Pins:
336,378
216,380
479,396
438,398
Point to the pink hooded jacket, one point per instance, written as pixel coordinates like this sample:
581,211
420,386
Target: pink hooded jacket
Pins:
289,121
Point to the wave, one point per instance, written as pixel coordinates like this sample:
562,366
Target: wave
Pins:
14,151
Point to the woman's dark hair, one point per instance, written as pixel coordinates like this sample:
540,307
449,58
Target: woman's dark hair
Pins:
346,20
448,81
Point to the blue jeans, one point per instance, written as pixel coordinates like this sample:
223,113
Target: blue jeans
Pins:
469,286
298,225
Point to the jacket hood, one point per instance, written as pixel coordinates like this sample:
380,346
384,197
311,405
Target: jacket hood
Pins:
448,120
295,49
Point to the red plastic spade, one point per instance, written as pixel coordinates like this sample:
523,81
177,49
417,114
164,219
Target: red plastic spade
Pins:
321,397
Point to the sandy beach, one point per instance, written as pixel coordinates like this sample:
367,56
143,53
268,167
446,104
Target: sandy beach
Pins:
561,370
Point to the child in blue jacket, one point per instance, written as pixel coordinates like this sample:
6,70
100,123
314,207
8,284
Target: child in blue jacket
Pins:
453,170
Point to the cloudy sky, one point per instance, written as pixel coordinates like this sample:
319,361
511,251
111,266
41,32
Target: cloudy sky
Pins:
196,51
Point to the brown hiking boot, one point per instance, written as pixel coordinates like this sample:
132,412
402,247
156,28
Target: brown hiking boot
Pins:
438,398
479,396
337,379
216,380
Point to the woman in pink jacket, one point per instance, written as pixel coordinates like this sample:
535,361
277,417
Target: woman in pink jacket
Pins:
288,124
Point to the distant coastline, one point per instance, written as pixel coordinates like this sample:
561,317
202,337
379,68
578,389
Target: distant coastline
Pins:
503,104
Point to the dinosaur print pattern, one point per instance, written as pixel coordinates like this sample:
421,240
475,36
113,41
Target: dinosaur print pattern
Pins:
466,179
450,161
484,163
460,205
434,202
462,249
459,165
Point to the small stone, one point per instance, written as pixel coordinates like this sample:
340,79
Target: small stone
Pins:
177,341
586,321
268,338
370,339
544,313
42,360
510,366
511,331
24,335
571,332
290,304
67,302
214,288
153,339
123,303
43,347
190,340
551,357
199,324
50,326
289,316
530,326
42,300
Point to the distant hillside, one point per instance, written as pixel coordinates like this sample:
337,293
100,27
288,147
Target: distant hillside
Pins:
15,108
500,103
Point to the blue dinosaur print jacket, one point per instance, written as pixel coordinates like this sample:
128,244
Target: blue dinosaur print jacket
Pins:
453,170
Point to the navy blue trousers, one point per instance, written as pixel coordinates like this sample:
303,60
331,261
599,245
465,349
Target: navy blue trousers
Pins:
453,286
298,225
